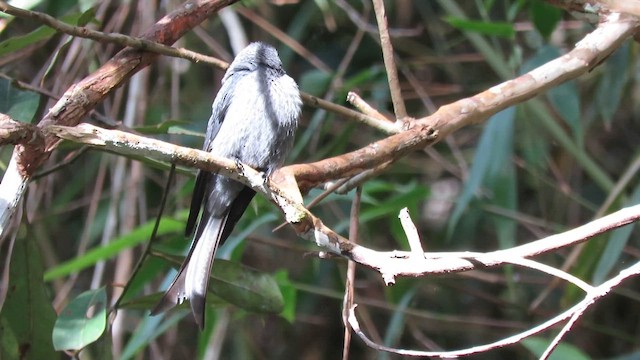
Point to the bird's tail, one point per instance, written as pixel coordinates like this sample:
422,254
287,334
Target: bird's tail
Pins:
193,277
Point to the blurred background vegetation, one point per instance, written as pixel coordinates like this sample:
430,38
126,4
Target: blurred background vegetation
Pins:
545,166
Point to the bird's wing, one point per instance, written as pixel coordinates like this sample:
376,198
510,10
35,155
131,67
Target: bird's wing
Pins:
219,112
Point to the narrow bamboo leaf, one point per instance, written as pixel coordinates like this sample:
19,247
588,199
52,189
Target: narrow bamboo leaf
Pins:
137,236
27,317
289,294
22,41
397,323
565,99
168,127
41,33
492,156
407,197
538,345
613,250
504,30
614,79
82,321
149,328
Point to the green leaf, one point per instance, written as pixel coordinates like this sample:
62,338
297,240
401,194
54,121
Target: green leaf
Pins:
27,317
22,41
538,345
565,97
240,285
289,294
21,105
545,17
315,82
247,288
504,30
615,245
168,127
492,160
82,321
614,79
135,237
149,328
40,34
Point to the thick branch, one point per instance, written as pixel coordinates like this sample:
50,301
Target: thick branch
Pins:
588,53
16,132
82,97
355,162
390,264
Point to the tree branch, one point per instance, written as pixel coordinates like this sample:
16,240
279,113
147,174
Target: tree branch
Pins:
81,98
390,264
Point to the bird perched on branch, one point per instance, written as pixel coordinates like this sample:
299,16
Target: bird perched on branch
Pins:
254,119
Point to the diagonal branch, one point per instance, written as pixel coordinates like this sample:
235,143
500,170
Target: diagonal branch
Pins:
390,264
82,97
588,53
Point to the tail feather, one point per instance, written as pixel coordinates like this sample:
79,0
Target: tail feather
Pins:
199,269
174,295
192,279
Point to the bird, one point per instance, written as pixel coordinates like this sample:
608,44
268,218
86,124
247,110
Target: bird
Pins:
253,121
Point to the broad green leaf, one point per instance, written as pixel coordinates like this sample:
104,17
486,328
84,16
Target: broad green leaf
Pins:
246,288
82,321
20,105
564,351
240,285
504,30
545,17
27,317
135,237
615,245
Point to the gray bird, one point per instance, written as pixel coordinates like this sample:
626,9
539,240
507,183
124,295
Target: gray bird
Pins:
254,119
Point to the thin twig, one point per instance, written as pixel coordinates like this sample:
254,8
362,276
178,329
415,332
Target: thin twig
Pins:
389,62
152,239
412,233
349,292
286,39
120,39
354,99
